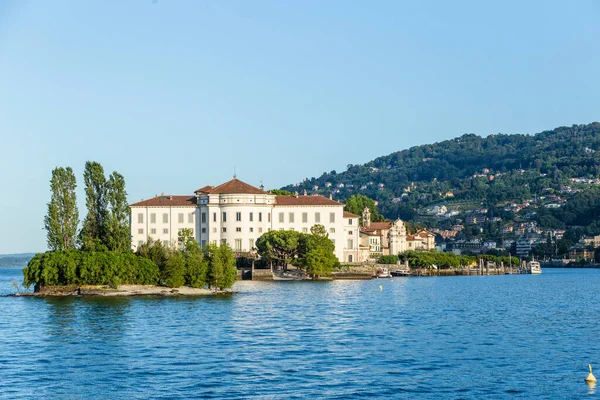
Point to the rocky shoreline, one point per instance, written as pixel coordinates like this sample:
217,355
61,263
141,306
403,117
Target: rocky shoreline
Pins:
120,291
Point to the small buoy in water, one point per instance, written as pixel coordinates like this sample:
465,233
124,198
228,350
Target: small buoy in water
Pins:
380,287
590,377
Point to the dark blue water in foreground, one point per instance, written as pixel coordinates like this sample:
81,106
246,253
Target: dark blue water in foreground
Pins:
450,337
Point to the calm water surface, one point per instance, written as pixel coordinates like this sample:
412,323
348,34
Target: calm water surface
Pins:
450,337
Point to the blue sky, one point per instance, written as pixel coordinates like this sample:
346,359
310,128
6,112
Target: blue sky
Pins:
174,94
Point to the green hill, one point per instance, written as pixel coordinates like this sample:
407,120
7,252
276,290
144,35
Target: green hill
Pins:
490,171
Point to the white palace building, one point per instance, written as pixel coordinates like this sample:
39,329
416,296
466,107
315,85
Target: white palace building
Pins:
237,213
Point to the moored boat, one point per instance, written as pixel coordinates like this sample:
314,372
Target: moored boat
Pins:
382,272
534,267
401,272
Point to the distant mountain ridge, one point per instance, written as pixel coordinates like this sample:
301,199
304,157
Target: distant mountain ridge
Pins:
492,169
15,260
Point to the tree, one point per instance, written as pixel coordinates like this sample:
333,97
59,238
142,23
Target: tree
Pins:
280,247
279,192
196,266
222,271
173,275
184,237
93,232
317,252
357,203
118,230
63,216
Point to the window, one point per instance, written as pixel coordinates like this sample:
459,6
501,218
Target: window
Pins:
165,218
203,230
238,216
153,231
333,241
349,232
166,243
140,243
291,218
317,217
140,218
165,231
152,218
224,230
268,217
203,218
191,218
223,241
259,230
180,218
141,231
251,229
350,223
331,230
260,217
350,258
251,244
305,230
203,244
238,244
214,217
281,217
251,217
238,229
332,217
292,229
304,218
224,217
350,244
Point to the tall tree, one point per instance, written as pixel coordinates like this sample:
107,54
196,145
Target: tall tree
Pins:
118,230
357,203
317,252
63,216
93,232
222,271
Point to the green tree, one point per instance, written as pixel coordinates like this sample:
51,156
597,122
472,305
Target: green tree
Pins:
93,232
196,274
279,192
184,237
357,203
63,216
222,271
118,229
173,274
318,252
279,247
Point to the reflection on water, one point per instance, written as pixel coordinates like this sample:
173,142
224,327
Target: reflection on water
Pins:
591,387
455,337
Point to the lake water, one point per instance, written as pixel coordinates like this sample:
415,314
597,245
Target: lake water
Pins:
448,337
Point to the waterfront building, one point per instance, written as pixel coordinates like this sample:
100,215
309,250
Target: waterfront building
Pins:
390,238
237,214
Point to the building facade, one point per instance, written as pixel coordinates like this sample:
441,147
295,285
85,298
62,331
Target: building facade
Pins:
237,214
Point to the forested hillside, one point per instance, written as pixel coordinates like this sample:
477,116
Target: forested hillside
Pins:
559,166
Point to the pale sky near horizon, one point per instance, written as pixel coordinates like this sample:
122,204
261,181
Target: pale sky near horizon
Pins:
174,94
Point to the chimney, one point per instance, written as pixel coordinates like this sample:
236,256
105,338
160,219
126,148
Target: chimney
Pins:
296,194
305,192
330,196
170,197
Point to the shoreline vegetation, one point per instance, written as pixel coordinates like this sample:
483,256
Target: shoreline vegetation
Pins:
97,259
120,291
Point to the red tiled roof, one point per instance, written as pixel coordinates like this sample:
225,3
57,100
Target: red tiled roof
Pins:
205,189
350,215
305,201
378,225
235,186
167,201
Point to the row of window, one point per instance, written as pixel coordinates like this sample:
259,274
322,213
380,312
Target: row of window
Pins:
153,231
165,218
238,244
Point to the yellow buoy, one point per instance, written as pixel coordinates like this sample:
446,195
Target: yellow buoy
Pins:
380,287
590,377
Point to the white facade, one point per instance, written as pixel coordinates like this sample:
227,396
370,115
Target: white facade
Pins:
238,214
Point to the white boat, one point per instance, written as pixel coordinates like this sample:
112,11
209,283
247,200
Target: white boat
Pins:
534,267
401,272
297,275
382,273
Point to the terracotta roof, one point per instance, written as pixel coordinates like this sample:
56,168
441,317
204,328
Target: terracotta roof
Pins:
205,189
425,234
350,215
167,201
235,186
378,225
305,201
